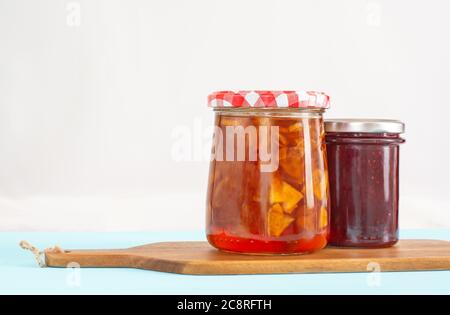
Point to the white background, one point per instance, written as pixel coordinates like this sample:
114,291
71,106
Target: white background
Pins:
92,91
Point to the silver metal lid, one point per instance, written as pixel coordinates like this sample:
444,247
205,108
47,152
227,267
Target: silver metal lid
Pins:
364,125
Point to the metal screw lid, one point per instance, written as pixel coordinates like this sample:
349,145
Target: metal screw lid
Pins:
364,125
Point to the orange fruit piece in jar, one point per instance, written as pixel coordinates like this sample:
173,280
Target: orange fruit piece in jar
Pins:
284,194
277,220
297,127
291,162
307,222
220,190
227,121
283,140
320,183
323,218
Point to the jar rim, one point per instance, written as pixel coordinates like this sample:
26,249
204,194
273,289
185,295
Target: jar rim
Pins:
364,125
271,113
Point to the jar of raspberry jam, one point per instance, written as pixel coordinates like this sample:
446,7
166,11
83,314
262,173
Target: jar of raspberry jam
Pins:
363,159
268,180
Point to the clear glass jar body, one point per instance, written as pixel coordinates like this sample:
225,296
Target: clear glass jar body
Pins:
276,205
364,184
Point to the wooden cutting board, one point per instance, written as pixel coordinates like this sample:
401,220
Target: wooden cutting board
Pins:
199,258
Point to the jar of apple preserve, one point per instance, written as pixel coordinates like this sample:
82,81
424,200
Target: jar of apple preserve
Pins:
268,181
363,159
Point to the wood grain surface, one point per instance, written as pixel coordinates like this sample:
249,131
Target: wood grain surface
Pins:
199,258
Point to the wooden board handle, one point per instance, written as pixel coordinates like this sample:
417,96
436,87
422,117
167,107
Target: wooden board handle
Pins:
90,258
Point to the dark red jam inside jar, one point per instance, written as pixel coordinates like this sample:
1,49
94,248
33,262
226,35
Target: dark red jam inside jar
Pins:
363,161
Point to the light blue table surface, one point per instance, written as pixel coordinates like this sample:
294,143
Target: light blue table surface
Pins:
19,274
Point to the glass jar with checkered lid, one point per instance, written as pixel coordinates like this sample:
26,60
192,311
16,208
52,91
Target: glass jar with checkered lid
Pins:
268,180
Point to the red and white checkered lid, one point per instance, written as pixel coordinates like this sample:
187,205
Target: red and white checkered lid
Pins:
269,99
